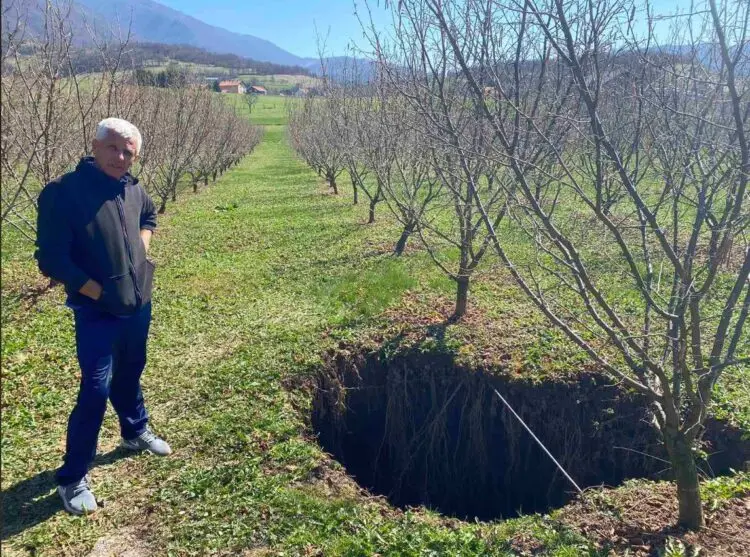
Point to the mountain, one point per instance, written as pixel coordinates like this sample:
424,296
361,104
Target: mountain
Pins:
148,55
709,55
157,23
152,22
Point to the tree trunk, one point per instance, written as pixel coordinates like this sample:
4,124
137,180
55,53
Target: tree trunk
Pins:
195,186
401,244
462,297
332,183
686,478
371,218
163,206
356,191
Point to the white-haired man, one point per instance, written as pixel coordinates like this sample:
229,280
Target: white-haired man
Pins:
94,229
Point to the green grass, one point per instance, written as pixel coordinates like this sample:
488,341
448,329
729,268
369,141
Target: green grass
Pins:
268,110
278,82
241,305
257,275
272,82
202,69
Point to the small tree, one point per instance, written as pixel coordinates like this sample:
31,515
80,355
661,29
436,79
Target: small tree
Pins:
312,134
402,163
456,142
360,145
350,99
48,110
251,99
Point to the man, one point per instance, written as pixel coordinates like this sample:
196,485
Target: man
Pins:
94,229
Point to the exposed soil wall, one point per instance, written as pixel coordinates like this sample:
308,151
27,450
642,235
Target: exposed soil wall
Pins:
423,431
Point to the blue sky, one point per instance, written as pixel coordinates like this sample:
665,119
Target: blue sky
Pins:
289,24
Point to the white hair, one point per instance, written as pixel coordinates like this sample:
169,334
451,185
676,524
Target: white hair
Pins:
120,127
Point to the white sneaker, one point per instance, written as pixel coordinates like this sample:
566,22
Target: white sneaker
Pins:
77,497
148,441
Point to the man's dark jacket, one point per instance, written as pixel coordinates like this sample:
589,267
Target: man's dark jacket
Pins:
89,227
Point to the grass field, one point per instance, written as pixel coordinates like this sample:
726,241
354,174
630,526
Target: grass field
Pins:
268,110
278,82
202,69
257,275
274,83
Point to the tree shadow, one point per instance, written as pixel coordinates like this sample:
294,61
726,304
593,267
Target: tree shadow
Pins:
34,500
27,297
32,294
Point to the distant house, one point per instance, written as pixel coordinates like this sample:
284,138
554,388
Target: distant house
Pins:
258,90
232,86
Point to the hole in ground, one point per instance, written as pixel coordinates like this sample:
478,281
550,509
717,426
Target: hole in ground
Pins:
422,431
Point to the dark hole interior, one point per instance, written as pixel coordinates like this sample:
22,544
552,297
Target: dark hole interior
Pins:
422,431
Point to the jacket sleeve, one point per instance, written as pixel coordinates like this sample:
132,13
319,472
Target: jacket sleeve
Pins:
148,213
54,241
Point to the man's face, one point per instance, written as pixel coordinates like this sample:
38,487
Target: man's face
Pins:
114,154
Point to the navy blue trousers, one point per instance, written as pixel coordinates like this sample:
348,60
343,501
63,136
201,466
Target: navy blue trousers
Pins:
112,355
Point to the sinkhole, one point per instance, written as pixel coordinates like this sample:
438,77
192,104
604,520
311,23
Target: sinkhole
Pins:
420,430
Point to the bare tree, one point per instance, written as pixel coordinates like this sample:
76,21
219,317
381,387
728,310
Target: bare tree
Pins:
351,101
402,163
192,135
438,111
313,135
50,110
631,211
149,118
361,147
250,100
227,138
47,111
180,134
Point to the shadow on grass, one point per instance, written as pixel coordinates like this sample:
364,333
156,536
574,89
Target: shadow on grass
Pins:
28,297
34,500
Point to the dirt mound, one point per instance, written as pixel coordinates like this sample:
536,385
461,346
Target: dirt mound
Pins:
640,520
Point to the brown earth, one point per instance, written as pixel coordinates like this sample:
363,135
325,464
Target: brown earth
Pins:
640,521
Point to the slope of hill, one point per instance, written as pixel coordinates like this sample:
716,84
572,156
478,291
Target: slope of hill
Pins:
151,21
140,55
154,22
